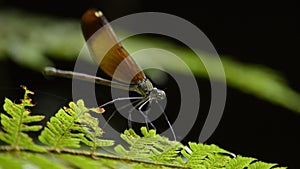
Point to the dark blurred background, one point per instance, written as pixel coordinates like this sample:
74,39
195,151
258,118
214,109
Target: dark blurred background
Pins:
253,34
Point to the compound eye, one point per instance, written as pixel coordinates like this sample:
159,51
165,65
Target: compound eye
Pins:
161,94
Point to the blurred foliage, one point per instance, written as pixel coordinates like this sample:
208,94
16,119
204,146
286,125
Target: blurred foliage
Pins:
29,39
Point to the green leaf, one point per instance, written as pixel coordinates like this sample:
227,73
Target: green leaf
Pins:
29,45
239,162
17,122
201,155
42,161
59,132
93,132
73,125
58,140
87,163
216,161
7,161
261,165
150,146
22,160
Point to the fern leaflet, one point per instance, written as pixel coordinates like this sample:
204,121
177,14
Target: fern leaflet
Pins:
239,162
151,146
261,165
91,129
216,161
202,156
73,125
16,123
59,132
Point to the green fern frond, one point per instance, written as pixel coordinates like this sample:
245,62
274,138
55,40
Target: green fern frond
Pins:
261,165
216,161
211,156
91,130
17,122
59,132
64,129
239,162
73,125
201,155
150,146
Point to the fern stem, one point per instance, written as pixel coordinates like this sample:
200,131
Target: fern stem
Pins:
88,154
18,133
97,155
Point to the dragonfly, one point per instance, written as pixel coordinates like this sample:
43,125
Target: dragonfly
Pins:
118,64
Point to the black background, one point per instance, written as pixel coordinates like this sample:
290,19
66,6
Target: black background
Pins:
251,33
